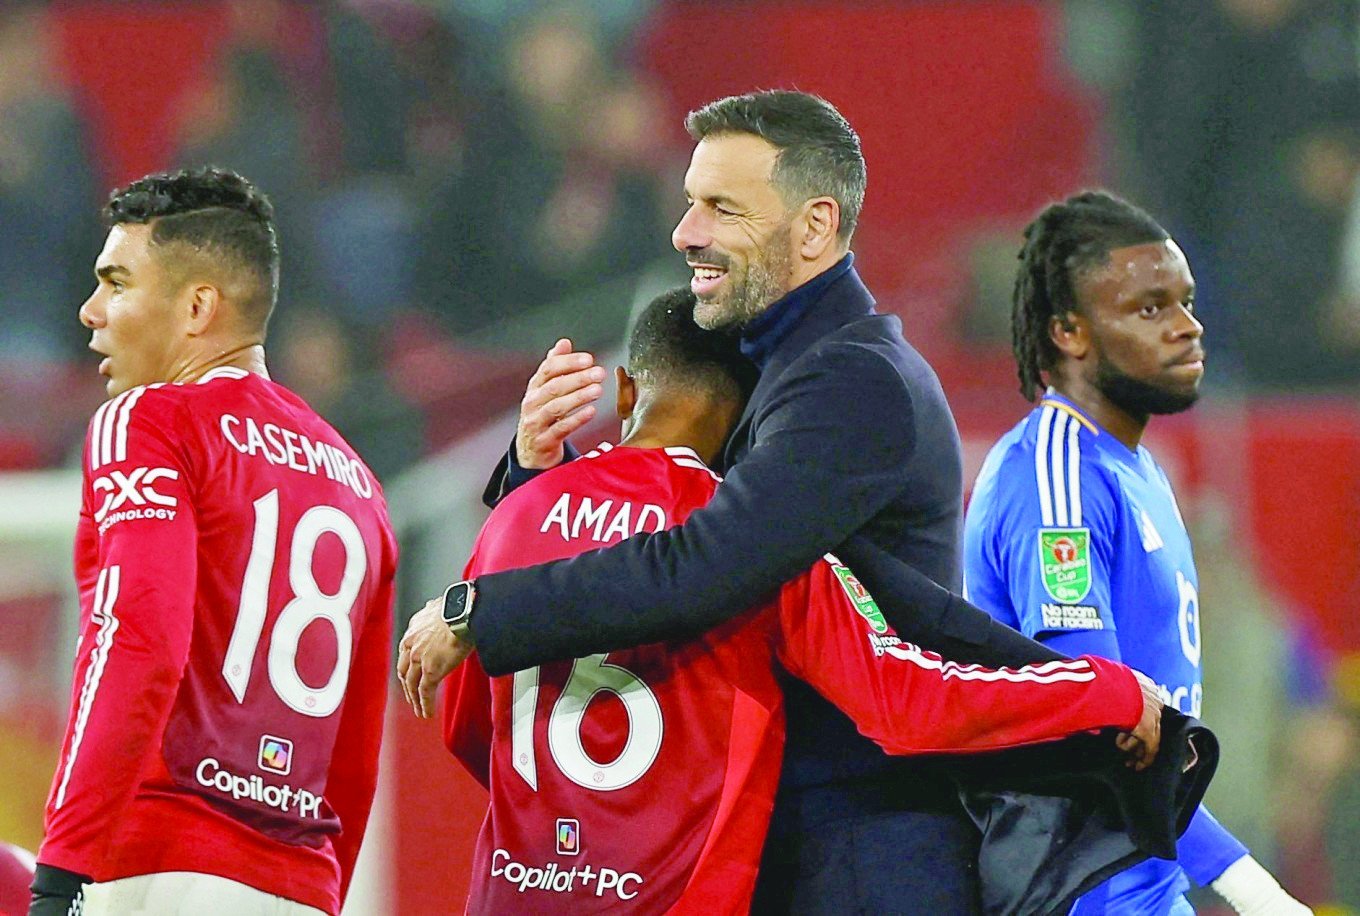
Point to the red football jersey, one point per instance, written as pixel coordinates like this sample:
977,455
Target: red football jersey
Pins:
235,564
643,779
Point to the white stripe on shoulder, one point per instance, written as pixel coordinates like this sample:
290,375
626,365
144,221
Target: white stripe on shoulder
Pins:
103,445
688,458
1041,450
1074,474
120,433
1058,467
105,597
97,429
109,433
223,372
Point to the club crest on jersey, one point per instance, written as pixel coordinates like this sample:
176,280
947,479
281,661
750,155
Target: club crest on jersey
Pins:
568,836
1065,558
859,595
276,755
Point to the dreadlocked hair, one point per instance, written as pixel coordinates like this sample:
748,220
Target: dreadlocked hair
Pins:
1065,238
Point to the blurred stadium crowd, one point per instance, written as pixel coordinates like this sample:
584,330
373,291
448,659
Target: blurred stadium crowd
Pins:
444,168
460,181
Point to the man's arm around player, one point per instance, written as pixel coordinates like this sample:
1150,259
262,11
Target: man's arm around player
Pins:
911,701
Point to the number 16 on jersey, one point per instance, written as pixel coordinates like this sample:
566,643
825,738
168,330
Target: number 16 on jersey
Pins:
589,676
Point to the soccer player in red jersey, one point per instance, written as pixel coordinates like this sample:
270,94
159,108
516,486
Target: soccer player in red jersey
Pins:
643,780
235,565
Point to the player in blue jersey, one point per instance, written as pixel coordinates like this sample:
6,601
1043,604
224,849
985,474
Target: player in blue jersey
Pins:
1073,535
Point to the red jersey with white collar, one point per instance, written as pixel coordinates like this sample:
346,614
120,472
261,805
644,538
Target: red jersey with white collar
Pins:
642,780
235,564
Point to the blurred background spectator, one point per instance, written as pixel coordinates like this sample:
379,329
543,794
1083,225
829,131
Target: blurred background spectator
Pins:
1245,122
46,191
318,356
460,182
558,185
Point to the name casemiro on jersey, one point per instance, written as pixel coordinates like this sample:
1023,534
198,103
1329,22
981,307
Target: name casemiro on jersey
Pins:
290,449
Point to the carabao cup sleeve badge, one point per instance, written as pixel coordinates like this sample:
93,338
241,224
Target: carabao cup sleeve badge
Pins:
1065,560
859,596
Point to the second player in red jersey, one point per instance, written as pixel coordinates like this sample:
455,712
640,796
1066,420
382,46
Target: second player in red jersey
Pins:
235,565
643,779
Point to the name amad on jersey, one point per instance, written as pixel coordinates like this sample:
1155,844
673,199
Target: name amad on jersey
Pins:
572,516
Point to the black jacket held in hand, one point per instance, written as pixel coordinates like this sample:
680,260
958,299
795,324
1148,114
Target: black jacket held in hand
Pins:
1058,819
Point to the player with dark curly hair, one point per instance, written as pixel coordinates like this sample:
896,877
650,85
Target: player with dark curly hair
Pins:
1073,536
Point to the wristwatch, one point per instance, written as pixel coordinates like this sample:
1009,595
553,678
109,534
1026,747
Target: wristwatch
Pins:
458,599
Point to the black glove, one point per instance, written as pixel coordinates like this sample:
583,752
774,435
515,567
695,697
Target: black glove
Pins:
57,892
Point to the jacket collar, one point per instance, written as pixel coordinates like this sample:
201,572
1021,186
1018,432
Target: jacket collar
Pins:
840,297
764,334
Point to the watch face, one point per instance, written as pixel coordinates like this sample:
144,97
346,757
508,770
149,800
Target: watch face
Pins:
455,603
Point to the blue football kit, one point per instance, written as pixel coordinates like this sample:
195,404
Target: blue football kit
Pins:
1077,541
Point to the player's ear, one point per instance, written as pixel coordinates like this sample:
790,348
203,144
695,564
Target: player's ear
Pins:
1070,333
204,302
626,401
817,229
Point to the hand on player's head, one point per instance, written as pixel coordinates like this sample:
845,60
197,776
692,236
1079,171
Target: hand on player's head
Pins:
559,400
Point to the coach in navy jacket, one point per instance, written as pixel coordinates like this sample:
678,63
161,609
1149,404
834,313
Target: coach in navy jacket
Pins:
847,432
847,437
846,443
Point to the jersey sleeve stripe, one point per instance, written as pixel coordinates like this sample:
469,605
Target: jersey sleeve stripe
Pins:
92,437
106,434
1074,474
689,458
1041,449
1058,440
96,431
105,597
1057,468
1067,664
1079,672
109,430
121,431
